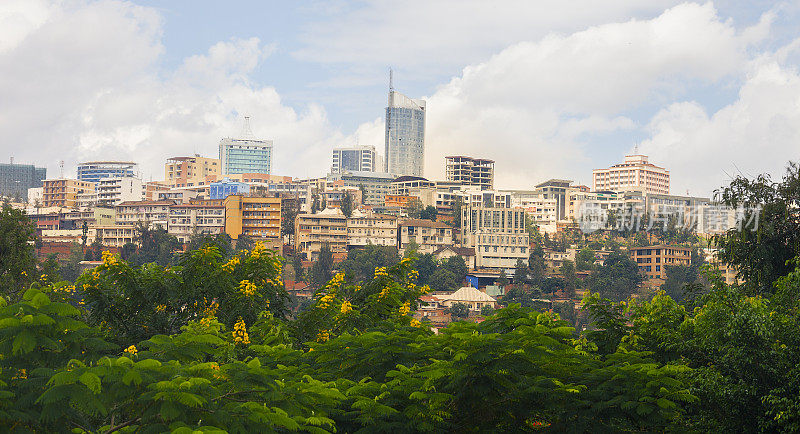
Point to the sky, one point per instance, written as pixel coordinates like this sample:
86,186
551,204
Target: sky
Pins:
547,89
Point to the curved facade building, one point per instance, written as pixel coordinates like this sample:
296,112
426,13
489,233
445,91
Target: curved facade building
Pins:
405,135
94,171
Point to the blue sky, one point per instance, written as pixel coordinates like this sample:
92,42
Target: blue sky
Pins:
549,89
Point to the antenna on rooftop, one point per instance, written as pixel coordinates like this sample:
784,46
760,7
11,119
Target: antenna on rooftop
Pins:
391,80
636,149
247,133
61,168
12,160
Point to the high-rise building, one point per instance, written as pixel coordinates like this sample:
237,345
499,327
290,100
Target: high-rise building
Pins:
112,191
16,179
94,171
405,135
246,154
191,171
635,173
359,158
64,193
255,217
475,172
497,234
556,189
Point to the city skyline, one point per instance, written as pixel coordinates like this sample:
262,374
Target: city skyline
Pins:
544,101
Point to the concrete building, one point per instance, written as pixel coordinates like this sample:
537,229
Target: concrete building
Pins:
35,195
428,235
255,217
497,234
186,220
112,235
179,195
153,188
368,228
63,192
652,259
114,190
468,171
540,211
327,227
376,184
16,179
635,173
191,171
472,197
556,189
403,185
153,213
94,171
359,158
226,187
474,299
405,135
246,154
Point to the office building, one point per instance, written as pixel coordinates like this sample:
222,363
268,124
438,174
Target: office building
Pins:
428,235
112,191
152,213
256,217
246,154
653,259
191,171
93,171
557,189
497,234
186,220
468,171
371,229
360,158
312,231
64,193
16,179
226,187
376,184
635,173
405,135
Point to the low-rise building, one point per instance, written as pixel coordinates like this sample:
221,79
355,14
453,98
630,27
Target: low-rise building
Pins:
153,213
468,253
113,235
327,227
191,171
428,235
113,191
497,234
255,217
653,259
368,228
186,220
227,187
64,192
474,300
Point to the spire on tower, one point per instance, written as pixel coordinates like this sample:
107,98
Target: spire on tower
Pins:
391,80
247,133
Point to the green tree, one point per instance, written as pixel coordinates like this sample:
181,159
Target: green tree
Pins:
502,280
458,204
244,243
584,259
222,241
364,193
536,264
347,204
413,208
289,217
426,264
155,246
429,213
567,270
17,256
520,273
315,205
361,263
617,279
322,268
458,310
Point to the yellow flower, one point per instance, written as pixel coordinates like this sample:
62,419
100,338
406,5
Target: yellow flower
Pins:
384,292
346,307
247,288
109,258
415,323
323,335
405,309
23,274
230,265
131,350
413,274
381,272
161,308
405,261
240,335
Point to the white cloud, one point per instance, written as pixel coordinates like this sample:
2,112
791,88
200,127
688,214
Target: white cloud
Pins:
86,83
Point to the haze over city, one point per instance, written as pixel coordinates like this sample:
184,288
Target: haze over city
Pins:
707,90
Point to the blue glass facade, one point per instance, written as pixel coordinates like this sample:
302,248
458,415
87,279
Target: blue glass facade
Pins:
405,135
245,156
94,171
226,187
16,179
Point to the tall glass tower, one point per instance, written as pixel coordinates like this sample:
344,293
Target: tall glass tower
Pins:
405,135
246,154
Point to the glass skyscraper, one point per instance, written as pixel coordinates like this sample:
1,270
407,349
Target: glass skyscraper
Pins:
94,171
405,135
16,179
246,154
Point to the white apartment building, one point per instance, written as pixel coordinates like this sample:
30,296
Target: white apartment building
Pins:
112,235
365,229
312,231
542,211
154,213
468,171
186,220
428,235
114,190
497,234
472,197
635,173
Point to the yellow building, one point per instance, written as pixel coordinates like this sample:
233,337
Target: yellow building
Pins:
256,217
64,193
191,171
635,173
327,227
653,259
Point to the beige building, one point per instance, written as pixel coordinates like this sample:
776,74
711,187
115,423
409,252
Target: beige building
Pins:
113,235
186,220
191,171
365,229
635,173
474,299
255,217
498,236
153,213
652,259
312,231
470,171
428,235
64,193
